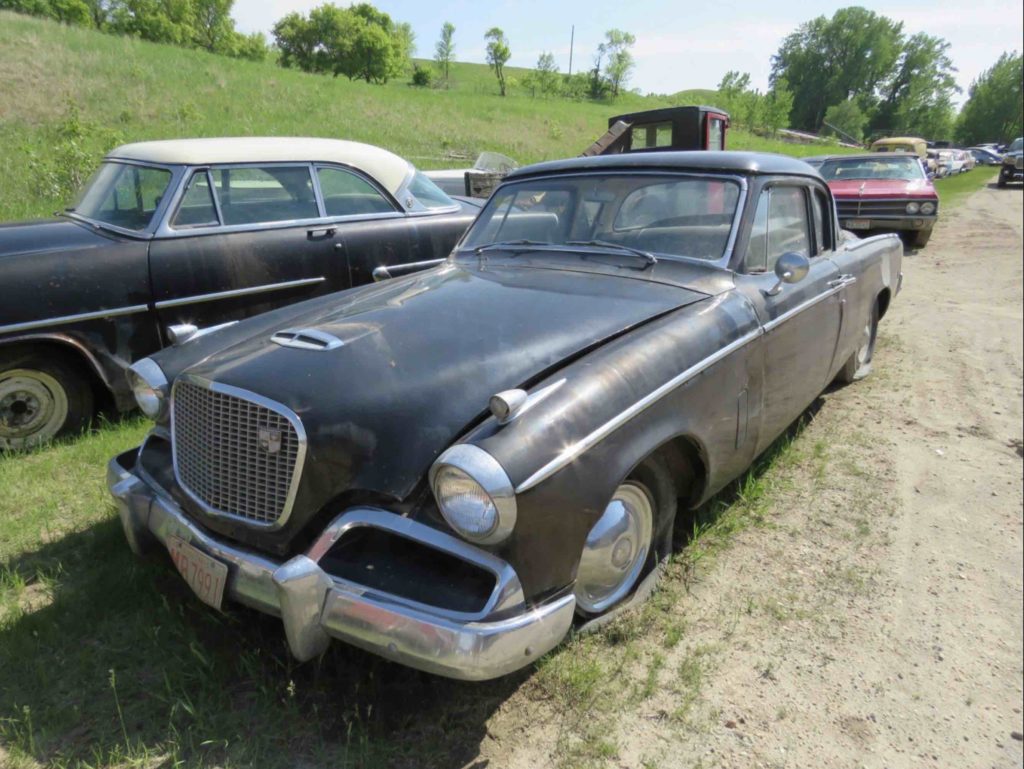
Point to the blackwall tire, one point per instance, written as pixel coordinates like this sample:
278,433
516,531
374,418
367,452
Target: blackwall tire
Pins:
858,365
41,398
633,534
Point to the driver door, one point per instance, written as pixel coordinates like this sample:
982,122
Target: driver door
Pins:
801,320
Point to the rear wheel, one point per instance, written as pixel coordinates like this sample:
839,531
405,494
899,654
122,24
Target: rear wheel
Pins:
633,533
859,364
41,398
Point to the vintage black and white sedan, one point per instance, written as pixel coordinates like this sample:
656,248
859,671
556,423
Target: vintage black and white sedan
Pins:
452,467
169,236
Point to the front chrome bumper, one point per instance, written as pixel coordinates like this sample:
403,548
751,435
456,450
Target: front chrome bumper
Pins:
504,636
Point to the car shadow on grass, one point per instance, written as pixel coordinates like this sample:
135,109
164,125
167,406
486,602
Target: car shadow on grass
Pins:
109,660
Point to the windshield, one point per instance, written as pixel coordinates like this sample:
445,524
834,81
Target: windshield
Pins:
667,215
895,167
428,193
123,195
1016,146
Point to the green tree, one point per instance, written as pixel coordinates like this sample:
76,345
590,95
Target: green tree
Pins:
252,46
444,51
498,53
918,98
161,21
778,103
296,40
845,120
828,61
213,28
620,61
546,74
75,12
994,110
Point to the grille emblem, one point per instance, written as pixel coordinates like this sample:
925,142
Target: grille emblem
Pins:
269,439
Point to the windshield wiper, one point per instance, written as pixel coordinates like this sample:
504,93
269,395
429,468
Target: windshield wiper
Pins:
508,244
645,255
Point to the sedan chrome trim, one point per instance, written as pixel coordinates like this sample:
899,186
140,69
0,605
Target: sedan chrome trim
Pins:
780,319
486,471
60,320
570,453
197,298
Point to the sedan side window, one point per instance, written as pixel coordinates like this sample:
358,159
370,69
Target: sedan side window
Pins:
346,194
780,226
196,208
251,195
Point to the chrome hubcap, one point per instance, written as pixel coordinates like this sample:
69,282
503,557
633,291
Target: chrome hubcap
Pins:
616,549
33,407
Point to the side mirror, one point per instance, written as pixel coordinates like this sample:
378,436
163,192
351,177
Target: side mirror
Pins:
790,268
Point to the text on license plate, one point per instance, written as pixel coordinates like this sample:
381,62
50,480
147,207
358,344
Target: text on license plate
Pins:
857,224
205,575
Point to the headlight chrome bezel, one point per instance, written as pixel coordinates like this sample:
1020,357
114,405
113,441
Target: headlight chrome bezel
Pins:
913,207
485,471
928,208
149,387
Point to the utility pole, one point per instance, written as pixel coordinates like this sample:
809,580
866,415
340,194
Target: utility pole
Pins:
572,40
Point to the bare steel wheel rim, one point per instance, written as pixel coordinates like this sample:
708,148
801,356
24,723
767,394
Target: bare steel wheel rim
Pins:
616,549
33,407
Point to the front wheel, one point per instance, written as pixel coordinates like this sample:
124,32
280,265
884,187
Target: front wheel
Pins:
858,365
633,533
41,398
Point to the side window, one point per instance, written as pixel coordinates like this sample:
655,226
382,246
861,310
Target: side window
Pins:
253,195
346,194
196,208
819,208
787,224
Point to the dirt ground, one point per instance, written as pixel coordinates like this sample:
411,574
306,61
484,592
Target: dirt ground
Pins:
876,619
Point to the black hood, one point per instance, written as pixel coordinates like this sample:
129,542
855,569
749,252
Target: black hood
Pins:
420,358
48,235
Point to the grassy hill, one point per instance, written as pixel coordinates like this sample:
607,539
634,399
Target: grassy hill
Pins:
68,94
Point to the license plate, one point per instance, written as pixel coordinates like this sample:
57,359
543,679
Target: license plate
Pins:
857,224
205,575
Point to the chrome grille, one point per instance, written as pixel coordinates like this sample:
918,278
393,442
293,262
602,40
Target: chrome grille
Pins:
868,207
235,453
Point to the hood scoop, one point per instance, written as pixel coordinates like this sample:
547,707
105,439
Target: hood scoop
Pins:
306,339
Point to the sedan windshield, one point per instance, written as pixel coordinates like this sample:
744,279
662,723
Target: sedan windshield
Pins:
676,215
122,195
906,167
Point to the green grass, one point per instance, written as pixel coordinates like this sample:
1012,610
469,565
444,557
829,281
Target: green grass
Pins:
121,89
953,189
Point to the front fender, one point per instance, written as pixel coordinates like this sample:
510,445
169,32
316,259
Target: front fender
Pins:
696,373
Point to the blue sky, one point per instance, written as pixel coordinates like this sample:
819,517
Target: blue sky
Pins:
679,45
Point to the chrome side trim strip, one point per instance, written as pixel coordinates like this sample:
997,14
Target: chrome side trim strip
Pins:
112,313
197,298
778,321
569,454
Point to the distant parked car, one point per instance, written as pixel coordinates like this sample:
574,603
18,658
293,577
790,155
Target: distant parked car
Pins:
883,192
171,236
951,161
1012,169
986,156
967,158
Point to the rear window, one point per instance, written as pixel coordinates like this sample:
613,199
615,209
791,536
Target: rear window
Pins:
123,195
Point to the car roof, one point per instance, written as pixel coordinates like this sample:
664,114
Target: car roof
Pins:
898,140
387,168
874,156
701,160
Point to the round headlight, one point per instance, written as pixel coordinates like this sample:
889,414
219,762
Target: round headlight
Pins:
149,386
912,208
927,208
474,494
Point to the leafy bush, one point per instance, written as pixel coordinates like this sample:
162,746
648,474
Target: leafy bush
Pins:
421,76
74,147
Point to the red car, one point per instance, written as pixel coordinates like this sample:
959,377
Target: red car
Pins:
884,192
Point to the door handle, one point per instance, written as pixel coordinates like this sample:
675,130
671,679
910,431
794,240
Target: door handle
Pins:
322,232
842,280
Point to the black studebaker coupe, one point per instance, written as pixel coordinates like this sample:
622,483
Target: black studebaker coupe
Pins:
173,235
448,467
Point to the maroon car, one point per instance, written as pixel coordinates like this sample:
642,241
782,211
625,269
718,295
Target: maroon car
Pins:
884,192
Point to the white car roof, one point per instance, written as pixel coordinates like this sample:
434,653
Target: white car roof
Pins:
387,168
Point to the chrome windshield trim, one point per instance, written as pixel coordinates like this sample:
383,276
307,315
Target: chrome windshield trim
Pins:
197,298
82,316
247,395
570,453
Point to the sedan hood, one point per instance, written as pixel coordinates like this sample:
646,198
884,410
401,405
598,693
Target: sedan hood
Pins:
45,235
419,358
882,188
